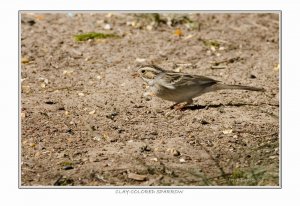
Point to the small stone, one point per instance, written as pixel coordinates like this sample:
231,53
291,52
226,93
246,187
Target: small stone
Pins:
67,72
228,131
70,131
23,115
149,27
68,167
145,148
87,59
174,152
140,60
98,77
92,112
80,94
178,69
26,89
209,143
112,115
107,27
182,160
97,138
154,159
43,80
258,162
137,177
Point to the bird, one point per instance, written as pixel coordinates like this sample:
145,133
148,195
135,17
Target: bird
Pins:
181,87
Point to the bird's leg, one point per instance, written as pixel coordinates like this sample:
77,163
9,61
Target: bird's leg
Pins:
174,105
182,106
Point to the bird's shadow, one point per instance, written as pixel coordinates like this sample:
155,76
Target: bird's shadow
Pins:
205,107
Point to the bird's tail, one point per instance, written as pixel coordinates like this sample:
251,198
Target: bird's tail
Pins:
239,87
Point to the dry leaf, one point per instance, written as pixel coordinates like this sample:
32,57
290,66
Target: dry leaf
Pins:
277,67
178,32
39,17
25,60
189,37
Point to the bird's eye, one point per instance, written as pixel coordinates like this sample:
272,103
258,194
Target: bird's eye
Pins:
143,71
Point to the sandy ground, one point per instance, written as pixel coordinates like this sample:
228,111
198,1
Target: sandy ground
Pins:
86,122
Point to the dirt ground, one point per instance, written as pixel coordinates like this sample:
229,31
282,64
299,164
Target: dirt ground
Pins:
85,120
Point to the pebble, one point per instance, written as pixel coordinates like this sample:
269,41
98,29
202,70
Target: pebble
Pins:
209,143
26,89
67,72
140,60
97,138
112,115
228,131
68,167
107,27
145,148
182,160
92,112
23,115
174,152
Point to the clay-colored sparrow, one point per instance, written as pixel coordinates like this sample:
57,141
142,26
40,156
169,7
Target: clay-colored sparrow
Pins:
181,87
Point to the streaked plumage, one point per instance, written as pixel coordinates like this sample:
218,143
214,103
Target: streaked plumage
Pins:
181,87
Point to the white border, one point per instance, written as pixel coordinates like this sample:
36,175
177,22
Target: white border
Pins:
290,110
